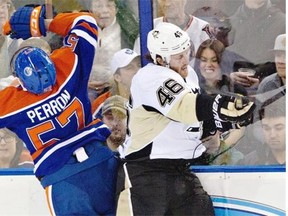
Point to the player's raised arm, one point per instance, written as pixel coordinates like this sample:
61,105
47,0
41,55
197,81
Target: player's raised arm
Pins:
30,21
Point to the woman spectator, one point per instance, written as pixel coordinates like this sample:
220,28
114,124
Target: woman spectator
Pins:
115,26
213,81
207,66
12,151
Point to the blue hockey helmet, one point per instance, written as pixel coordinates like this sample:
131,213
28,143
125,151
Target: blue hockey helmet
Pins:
35,70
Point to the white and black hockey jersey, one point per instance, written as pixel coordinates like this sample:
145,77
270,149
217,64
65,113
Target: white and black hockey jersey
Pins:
162,120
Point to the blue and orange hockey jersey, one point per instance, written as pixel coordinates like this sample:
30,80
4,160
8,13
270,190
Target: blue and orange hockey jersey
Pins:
53,125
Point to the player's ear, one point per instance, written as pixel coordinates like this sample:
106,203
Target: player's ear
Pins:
117,77
160,61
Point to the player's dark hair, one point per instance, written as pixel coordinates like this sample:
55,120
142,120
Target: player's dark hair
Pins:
149,58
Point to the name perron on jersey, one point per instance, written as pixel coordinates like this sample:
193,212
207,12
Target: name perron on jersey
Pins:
54,124
162,119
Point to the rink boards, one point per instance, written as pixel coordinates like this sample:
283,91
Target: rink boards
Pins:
236,191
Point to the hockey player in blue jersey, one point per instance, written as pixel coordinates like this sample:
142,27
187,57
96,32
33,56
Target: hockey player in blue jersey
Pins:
50,111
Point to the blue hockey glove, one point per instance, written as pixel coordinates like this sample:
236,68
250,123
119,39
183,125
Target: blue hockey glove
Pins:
27,21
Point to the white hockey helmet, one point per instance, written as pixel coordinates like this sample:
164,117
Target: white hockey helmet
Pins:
167,39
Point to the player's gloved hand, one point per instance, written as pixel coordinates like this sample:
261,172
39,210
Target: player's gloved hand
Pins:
210,128
26,22
237,110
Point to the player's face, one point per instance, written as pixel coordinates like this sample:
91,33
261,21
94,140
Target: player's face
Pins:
7,148
172,8
209,66
179,63
116,121
274,131
105,12
280,61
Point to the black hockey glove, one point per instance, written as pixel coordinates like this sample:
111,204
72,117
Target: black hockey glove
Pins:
222,108
237,109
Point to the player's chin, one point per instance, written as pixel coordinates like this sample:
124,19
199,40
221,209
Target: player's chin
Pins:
183,72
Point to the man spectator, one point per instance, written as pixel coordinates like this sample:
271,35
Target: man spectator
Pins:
273,150
270,89
124,65
114,114
174,12
277,80
256,24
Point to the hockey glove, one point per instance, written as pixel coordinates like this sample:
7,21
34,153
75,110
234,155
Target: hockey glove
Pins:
26,22
210,128
238,110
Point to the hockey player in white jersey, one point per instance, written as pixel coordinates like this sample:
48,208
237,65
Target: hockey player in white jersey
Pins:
165,125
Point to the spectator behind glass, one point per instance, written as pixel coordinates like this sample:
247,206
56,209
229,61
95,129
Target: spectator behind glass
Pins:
208,67
125,63
13,154
6,10
274,86
109,32
111,38
277,80
273,150
270,89
256,24
115,117
99,82
221,25
174,12
213,81
218,20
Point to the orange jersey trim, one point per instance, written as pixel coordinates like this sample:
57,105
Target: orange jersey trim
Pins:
99,100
